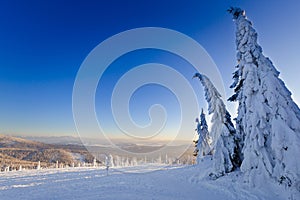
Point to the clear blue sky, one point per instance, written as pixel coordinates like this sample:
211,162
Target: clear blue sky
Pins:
43,44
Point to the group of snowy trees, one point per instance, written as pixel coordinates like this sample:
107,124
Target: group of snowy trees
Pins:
224,140
125,161
265,141
106,160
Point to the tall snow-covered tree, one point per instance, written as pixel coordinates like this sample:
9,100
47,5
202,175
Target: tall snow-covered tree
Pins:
202,143
204,126
268,120
205,134
224,141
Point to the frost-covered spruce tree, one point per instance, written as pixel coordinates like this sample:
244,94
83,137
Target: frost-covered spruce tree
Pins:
202,143
205,134
203,123
226,156
268,119
112,161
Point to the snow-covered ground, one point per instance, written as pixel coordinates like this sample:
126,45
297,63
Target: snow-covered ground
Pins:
169,182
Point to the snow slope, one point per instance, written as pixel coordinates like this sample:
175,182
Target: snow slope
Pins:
170,182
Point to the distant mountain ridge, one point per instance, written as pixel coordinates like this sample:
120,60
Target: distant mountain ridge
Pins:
69,151
89,141
54,139
16,142
16,151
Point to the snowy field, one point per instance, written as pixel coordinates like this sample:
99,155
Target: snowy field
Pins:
169,182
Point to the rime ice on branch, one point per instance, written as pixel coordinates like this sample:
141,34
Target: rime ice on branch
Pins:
224,141
268,120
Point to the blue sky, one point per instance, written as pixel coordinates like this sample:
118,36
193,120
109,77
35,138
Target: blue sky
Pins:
43,44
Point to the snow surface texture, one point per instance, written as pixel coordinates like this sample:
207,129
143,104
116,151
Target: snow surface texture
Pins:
268,119
224,140
171,182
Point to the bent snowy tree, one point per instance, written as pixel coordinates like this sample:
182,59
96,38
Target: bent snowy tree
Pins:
224,141
268,120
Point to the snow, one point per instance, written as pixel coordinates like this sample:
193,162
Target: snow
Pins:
139,182
267,128
268,120
226,156
202,144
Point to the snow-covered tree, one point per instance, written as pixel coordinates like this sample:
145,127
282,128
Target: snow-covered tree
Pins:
126,162
268,120
202,143
224,141
134,161
39,165
118,161
205,134
95,162
112,163
7,168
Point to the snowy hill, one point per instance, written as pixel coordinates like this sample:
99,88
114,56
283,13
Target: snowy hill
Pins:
16,151
167,182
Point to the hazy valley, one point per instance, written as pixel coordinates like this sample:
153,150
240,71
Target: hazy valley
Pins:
20,153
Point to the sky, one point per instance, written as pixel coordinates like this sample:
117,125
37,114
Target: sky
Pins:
43,44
